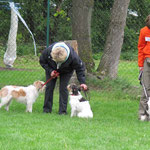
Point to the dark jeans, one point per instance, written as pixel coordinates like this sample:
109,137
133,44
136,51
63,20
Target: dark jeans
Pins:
63,93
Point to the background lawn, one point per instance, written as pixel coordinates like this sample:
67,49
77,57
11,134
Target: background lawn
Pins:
114,127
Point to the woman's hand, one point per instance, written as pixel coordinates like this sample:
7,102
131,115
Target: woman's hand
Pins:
54,74
84,87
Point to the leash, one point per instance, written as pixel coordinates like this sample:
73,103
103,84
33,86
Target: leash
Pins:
56,75
140,79
87,95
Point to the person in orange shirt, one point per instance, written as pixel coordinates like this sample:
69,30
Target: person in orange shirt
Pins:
144,67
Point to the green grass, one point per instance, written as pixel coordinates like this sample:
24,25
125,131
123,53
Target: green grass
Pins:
114,127
127,71
15,77
27,70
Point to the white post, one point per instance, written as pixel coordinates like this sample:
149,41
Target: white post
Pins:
10,54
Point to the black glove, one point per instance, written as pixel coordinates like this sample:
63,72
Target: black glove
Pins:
140,76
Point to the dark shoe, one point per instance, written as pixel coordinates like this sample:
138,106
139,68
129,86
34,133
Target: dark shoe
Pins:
62,113
46,111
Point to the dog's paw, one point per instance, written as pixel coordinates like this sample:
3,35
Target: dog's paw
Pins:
143,118
7,108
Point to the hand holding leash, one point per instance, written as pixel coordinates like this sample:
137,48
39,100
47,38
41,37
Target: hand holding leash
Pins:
140,76
86,91
84,87
141,68
54,74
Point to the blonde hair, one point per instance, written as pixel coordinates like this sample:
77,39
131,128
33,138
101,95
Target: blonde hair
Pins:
148,21
59,54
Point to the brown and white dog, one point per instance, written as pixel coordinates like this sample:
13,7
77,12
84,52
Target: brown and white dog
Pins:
26,95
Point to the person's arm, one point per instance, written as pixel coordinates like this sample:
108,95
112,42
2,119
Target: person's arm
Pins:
141,45
44,61
80,71
79,67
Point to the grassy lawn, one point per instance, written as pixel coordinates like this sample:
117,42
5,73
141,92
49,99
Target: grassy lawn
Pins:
26,70
128,70
15,77
114,127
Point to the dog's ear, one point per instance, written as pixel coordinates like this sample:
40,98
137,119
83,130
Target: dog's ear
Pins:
69,88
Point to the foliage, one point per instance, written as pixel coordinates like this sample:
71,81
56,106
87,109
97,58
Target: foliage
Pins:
100,22
141,8
137,12
5,23
61,27
130,41
35,14
2,50
129,55
97,56
26,49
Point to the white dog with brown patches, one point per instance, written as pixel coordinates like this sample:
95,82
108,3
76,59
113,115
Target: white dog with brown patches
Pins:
80,107
26,95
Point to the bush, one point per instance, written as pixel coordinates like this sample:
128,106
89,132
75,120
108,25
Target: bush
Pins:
129,55
2,50
97,56
130,40
25,49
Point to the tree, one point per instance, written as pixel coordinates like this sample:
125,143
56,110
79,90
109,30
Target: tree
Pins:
109,62
81,28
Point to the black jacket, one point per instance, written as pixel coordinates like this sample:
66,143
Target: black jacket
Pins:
72,63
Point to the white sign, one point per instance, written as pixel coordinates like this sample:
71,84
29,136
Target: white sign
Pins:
147,39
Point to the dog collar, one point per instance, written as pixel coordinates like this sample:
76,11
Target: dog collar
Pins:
74,95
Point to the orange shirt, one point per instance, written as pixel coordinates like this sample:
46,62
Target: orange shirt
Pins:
143,45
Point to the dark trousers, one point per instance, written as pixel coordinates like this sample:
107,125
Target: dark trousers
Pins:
63,93
146,81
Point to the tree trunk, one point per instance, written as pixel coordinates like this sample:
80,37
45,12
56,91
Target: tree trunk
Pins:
73,43
109,62
81,25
